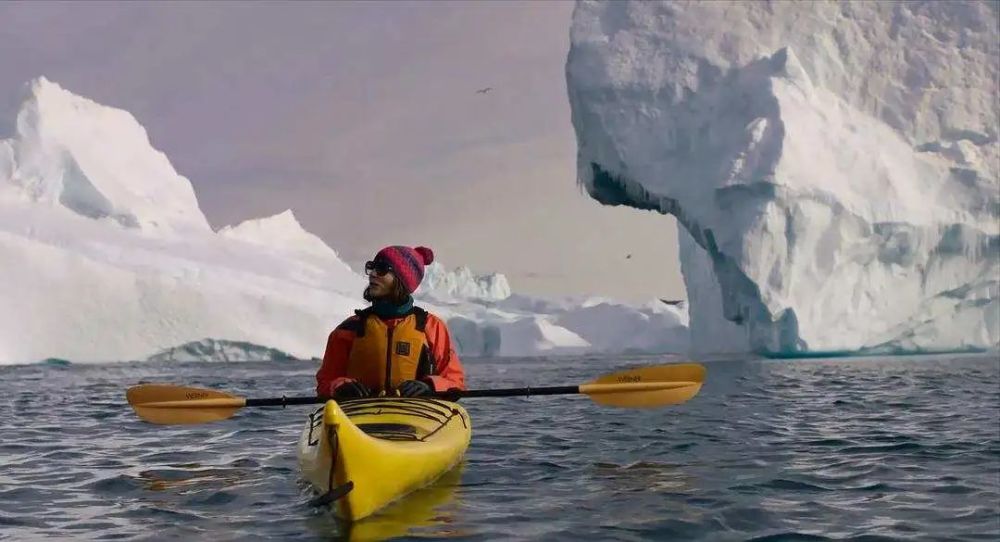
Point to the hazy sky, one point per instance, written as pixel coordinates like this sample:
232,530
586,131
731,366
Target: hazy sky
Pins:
363,118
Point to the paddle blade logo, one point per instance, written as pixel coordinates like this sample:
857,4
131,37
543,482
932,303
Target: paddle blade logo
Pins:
196,395
629,379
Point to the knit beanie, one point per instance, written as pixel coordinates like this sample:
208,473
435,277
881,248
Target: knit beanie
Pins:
407,263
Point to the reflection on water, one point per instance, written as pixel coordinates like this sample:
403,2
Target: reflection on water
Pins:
182,478
642,476
428,512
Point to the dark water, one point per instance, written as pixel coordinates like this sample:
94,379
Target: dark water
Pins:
860,449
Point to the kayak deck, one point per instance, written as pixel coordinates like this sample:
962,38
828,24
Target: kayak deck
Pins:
380,449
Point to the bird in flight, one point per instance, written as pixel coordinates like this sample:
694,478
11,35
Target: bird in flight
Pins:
484,90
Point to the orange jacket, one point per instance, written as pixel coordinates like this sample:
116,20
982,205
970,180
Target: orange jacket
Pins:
332,373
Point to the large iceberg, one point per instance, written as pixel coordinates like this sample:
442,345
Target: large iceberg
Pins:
106,256
833,166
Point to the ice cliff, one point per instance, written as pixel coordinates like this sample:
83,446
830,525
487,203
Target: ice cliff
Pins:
834,165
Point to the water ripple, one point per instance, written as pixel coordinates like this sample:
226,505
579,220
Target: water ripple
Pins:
846,449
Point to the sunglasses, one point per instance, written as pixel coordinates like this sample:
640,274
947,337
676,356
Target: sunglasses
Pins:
377,267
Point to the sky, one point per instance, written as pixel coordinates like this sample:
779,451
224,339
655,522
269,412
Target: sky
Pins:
365,120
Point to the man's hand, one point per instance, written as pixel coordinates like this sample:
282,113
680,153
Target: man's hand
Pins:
414,388
351,389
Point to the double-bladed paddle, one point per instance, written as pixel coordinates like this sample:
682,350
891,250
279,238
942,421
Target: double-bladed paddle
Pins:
644,387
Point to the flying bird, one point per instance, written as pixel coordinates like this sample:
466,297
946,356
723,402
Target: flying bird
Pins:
484,90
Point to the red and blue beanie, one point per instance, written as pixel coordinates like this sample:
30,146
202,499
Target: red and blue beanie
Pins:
407,263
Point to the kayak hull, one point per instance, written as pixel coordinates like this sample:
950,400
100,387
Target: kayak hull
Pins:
367,453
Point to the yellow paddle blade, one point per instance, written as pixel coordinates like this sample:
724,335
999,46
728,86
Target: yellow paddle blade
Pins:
647,387
166,404
671,372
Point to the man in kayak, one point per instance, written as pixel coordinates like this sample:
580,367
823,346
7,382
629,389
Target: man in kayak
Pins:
391,346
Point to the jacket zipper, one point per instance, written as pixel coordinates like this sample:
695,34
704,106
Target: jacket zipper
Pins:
388,362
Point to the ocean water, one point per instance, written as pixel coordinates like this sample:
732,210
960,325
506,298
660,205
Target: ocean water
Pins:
900,448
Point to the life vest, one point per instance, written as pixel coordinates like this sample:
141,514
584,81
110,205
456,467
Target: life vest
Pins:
382,358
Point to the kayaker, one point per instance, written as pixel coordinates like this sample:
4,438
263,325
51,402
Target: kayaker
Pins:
391,346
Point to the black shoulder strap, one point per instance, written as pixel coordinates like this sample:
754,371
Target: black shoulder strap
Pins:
421,316
362,315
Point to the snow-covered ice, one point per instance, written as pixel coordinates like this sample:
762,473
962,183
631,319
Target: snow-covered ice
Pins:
834,166
105,256
442,284
529,326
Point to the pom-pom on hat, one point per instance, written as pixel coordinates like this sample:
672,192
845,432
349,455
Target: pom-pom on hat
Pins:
407,263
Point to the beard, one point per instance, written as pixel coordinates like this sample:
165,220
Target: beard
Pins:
394,296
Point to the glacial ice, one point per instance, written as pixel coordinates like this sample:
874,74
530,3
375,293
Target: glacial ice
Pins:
834,166
462,283
105,256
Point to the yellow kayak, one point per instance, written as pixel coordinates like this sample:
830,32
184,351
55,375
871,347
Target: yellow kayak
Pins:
425,513
380,449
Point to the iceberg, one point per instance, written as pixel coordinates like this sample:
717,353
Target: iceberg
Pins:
442,284
215,350
834,167
523,326
105,256
61,158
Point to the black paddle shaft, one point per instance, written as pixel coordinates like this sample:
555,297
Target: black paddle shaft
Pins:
513,392
286,401
505,392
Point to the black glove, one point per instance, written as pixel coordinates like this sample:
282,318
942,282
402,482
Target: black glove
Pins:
351,390
414,388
